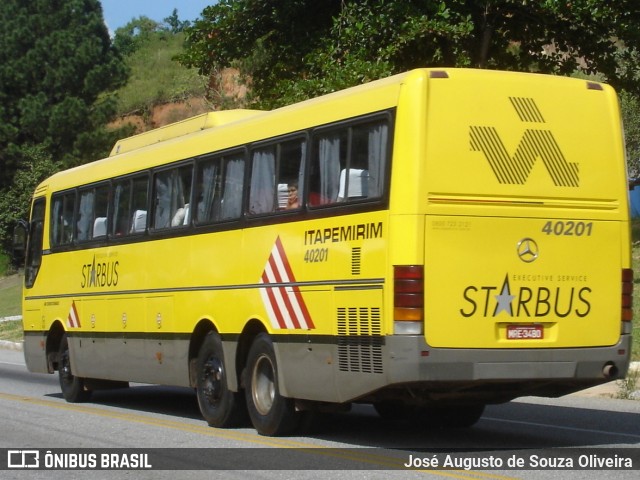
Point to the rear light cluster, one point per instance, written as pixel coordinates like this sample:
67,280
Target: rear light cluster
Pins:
408,299
627,294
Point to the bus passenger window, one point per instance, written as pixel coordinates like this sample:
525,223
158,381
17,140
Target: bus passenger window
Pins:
276,176
130,206
368,160
121,207
139,204
208,195
85,215
62,219
330,158
262,195
291,173
92,213
219,188
349,164
101,206
231,203
172,197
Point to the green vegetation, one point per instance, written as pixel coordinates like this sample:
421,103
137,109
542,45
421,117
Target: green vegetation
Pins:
156,78
11,331
636,292
5,266
57,68
10,295
294,49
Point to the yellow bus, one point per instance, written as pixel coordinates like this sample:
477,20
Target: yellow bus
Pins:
429,243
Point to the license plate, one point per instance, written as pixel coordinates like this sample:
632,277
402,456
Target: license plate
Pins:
525,332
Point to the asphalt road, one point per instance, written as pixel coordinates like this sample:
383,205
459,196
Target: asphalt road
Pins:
548,433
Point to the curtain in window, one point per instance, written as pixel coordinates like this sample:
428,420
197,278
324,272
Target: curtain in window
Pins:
119,215
377,156
303,162
209,174
232,196
262,195
85,216
329,168
162,215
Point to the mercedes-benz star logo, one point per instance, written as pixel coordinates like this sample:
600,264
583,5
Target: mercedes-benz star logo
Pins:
527,250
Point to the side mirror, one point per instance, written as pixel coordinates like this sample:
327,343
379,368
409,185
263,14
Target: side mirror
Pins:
19,246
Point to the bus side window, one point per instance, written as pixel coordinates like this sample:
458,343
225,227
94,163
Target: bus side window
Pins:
92,213
330,157
368,160
262,193
172,193
291,164
139,204
231,202
208,181
349,163
121,207
130,206
277,177
63,206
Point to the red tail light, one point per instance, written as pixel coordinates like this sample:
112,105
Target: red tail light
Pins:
408,293
627,294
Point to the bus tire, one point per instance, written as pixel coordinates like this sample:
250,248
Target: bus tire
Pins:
394,411
73,388
220,407
454,416
271,414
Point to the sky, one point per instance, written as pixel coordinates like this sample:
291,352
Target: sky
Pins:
117,13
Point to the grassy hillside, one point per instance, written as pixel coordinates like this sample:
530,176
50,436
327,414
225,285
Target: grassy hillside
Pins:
157,79
10,291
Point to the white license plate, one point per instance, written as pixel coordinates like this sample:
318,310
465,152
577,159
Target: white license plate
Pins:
525,332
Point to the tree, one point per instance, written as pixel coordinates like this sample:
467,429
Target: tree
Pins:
129,38
631,117
141,30
57,65
175,24
15,201
293,49
269,40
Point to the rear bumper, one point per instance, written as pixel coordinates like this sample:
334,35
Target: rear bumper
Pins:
494,376
437,364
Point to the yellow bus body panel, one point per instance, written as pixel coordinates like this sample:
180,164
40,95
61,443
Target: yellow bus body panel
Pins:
523,161
508,189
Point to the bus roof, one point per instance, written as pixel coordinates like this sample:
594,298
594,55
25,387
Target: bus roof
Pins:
248,125
183,127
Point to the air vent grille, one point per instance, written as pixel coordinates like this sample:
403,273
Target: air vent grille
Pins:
356,257
360,340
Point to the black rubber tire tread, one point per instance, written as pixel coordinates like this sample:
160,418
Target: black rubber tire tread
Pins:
281,418
73,388
220,407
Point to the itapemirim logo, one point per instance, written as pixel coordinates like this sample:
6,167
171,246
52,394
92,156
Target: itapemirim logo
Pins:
535,144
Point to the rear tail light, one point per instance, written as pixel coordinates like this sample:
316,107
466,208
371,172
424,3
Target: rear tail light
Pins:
408,299
627,294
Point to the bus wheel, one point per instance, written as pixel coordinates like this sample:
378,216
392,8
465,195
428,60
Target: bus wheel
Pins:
459,416
73,388
394,411
219,406
270,413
